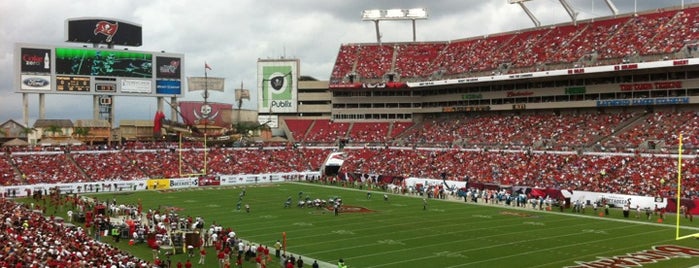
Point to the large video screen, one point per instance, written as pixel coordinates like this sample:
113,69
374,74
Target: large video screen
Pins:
103,62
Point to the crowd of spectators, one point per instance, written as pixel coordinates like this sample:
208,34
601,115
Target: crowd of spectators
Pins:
462,146
33,240
622,174
542,130
374,61
108,165
267,160
7,172
659,32
657,127
368,132
346,58
398,128
416,57
48,168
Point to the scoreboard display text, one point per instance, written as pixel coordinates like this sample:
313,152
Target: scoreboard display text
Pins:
72,83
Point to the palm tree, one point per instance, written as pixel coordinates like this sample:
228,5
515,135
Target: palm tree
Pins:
28,130
54,129
81,132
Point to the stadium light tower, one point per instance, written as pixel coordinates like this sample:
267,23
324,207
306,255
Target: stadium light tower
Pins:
377,15
536,22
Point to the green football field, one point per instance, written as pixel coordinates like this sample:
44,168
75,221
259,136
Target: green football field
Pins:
400,232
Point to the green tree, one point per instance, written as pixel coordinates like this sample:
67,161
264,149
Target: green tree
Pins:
26,131
81,132
53,129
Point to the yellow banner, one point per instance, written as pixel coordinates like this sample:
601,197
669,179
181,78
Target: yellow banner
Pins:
158,184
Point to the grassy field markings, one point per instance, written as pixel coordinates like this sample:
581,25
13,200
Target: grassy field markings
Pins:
555,248
343,232
593,231
596,253
419,239
426,228
500,245
390,242
340,222
450,254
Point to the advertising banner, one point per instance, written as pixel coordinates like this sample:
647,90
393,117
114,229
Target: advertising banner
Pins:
271,121
157,184
279,90
168,67
183,183
173,87
34,60
209,181
136,86
36,82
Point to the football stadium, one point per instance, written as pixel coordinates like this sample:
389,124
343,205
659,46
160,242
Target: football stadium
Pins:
566,145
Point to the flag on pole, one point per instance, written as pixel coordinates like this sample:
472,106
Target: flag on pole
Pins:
206,66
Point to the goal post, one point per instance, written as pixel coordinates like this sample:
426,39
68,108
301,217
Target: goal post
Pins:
679,194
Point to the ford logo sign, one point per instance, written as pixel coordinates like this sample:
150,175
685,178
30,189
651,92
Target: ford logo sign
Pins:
35,82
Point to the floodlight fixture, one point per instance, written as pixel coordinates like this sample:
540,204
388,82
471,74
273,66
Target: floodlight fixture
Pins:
377,15
394,14
372,14
416,13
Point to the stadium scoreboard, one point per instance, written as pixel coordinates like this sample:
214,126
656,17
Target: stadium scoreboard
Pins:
97,71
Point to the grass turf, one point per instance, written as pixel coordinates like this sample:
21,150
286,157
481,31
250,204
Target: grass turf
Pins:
401,233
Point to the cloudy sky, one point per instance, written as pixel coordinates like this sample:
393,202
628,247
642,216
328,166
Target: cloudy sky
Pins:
232,35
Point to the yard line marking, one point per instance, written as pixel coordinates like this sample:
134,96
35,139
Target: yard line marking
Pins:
420,237
551,249
449,242
506,244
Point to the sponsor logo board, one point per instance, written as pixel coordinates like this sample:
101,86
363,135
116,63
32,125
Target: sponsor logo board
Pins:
136,86
36,82
35,60
276,78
